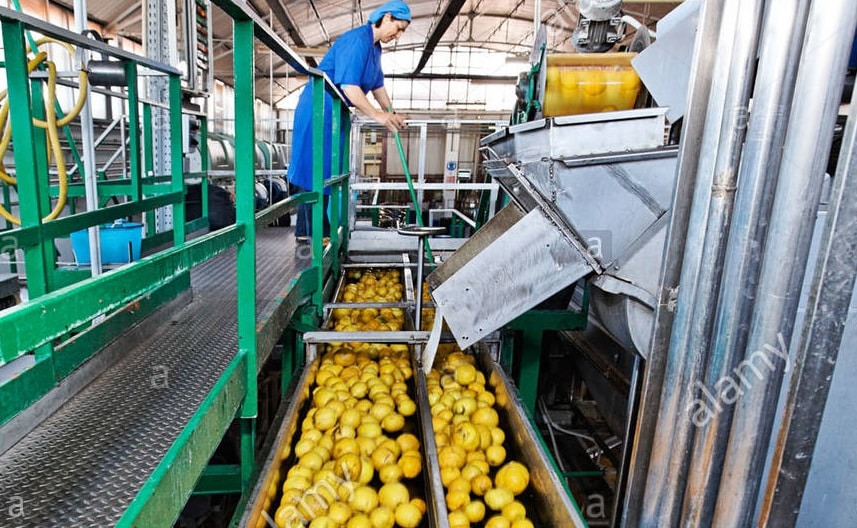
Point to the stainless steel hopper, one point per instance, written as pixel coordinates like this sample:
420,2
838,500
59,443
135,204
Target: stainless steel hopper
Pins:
591,197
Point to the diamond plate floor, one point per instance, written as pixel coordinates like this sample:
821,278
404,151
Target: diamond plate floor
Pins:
84,464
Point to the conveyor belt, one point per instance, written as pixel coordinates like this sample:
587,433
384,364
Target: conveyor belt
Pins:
85,464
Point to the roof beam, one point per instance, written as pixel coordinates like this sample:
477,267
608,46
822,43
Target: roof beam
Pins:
283,17
452,10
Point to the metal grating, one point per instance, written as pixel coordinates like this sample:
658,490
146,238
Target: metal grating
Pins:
84,465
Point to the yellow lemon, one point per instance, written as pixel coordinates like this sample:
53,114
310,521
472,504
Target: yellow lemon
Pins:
475,511
514,511
393,494
409,515
514,476
498,497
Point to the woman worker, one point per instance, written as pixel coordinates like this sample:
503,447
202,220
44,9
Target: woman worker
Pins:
353,64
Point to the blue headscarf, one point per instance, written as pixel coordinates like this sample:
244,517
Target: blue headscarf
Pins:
398,9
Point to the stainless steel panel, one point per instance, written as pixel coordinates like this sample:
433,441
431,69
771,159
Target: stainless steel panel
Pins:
435,498
581,135
664,67
609,204
525,265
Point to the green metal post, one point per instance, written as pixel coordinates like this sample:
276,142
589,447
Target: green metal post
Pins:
203,183
30,166
335,170
57,108
317,185
289,342
134,145
176,158
531,360
149,161
345,190
243,60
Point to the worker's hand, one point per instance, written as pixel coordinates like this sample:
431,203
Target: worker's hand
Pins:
394,122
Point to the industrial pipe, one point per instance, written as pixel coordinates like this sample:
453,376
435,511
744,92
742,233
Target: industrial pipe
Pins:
703,254
830,32
779,54
701,76
86,134
830,296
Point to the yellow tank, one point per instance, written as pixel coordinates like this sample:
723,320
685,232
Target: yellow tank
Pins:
584,83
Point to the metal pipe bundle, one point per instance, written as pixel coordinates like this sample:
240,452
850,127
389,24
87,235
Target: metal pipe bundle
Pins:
832,288
706,240
717,323
830,31
778,56
701,78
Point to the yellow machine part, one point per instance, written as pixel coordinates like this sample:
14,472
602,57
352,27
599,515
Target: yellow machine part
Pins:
585,83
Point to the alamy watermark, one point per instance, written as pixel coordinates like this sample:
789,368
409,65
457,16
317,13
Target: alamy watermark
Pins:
160,377
316,499
14,509
730,387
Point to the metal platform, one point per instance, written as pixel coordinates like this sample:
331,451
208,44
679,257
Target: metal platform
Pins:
86,463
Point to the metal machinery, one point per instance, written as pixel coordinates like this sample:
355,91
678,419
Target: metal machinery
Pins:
693,257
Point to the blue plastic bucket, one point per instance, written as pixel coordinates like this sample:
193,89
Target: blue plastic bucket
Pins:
120,243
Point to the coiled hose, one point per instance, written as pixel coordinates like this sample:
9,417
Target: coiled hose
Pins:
50,124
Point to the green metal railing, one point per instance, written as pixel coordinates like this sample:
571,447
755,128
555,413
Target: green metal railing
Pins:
57,309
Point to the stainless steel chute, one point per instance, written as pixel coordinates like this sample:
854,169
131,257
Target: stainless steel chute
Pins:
591,197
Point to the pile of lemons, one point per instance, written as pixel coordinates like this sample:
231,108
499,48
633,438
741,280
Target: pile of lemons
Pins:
475,472
370,287
373,286
355,462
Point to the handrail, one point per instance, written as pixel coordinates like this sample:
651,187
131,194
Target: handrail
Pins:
37,322
393,186
464,218
240,11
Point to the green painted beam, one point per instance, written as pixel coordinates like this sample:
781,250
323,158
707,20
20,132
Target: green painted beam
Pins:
32,324
219,479
22,391
550,320
62,227
165,493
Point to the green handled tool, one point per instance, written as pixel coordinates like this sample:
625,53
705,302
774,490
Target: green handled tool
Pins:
419,212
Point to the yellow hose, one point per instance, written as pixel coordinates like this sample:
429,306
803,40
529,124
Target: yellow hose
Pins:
51,125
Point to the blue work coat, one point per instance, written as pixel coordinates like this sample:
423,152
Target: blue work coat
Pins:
353,59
